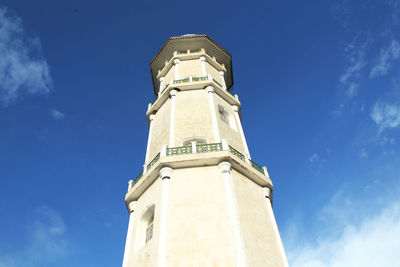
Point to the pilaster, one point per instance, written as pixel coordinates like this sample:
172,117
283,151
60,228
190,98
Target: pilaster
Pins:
268,197
165,175
176,65
210,92
239,123
129,236
225,168
151,118
203,65
172,94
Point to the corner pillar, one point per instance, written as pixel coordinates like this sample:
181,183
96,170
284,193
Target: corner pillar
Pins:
129,236
161,86
210,92
223,79
172,94
239,123
203,65
165,175
176,64
271,216
225,168
151,118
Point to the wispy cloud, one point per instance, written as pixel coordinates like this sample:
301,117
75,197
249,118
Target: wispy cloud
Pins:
363,153
341,12
370,241
46,242
385,60
23,68
386,115
313,158
56,114
355,54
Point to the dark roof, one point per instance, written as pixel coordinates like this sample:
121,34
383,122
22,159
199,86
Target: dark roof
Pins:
186,36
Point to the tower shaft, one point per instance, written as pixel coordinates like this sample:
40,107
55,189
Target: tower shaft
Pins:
200,200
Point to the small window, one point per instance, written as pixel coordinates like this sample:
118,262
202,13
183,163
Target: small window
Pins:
149,228
226,117
144,232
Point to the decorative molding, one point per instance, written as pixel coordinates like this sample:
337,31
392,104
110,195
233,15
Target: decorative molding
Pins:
132,206
225,166
166,172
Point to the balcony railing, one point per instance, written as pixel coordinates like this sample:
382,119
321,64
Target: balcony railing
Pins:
203,148
156,158
181,81
208,147
217,82
236,153
195,79
179,150
201,78
137,179
257,167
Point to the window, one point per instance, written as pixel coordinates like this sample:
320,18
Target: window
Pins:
198,140
144,232
226,117
149,228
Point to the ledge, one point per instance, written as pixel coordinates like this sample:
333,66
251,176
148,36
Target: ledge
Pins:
193,85
196,160
188,56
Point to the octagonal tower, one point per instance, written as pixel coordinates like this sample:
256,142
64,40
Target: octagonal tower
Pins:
200,200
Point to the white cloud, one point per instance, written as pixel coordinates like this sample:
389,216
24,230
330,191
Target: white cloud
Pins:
386,115
363,153
355,54
369,241
387,56
314,158
22,66
341,12
56,114
352,70
46,242
352,90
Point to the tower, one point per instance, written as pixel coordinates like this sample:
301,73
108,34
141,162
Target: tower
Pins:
200,200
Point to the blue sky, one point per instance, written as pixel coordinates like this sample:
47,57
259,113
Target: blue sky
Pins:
319,83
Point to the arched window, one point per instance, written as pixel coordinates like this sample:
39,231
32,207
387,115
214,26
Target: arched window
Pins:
197,139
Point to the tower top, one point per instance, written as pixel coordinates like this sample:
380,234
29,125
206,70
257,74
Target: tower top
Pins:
181,46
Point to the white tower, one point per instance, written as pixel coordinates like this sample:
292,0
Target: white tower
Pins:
200,200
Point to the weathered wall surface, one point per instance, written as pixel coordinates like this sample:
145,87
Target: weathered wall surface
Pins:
145,254
257,230
199,232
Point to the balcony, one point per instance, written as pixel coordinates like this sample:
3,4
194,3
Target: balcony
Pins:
187,55
187,82
201,149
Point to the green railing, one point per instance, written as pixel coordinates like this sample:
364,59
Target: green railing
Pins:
217,82
137,179
156,158
204,148
203,78
181,81
208,147
257,167
179,150
236,153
